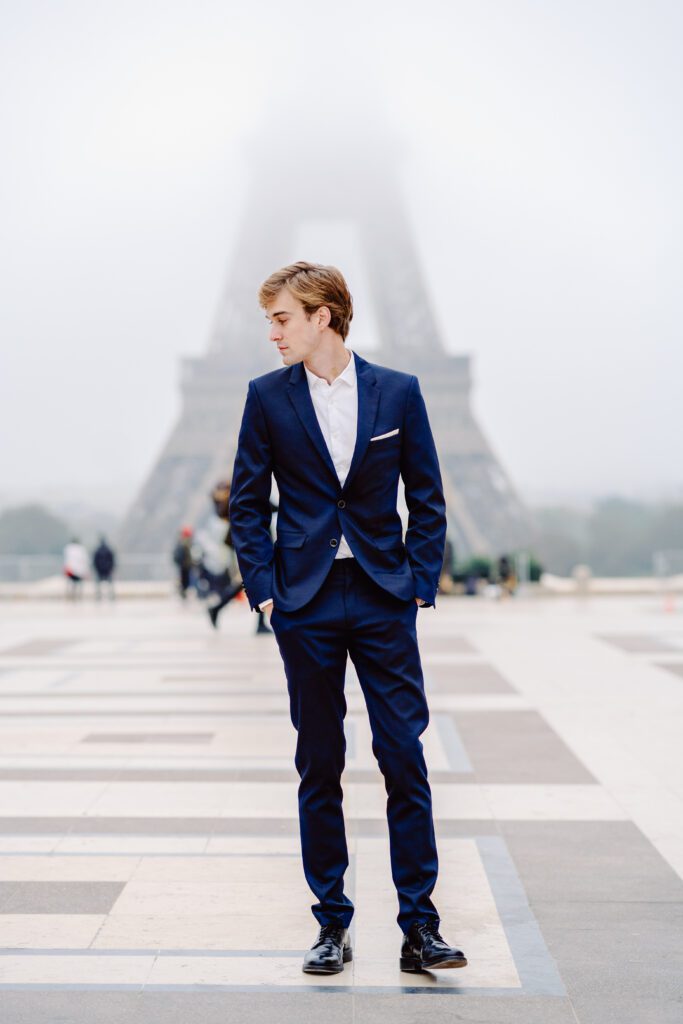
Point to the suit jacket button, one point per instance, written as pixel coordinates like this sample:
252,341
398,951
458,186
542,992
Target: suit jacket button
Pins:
341,503
333,543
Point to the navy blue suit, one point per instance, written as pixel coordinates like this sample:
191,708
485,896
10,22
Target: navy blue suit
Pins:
362,607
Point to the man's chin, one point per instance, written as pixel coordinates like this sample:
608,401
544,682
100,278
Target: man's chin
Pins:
289,359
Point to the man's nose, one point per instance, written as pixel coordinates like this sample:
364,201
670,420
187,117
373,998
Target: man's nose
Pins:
275,333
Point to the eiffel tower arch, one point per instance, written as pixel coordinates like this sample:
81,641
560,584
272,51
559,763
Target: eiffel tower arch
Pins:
357,189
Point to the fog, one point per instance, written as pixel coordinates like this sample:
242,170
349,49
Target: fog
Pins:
539,152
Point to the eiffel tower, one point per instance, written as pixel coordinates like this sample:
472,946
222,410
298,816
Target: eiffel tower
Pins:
352,193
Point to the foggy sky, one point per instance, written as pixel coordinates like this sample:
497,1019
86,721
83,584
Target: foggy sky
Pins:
540,155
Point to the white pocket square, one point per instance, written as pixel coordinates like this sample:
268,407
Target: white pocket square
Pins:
380,437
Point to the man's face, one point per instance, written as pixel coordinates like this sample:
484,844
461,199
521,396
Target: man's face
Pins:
296,335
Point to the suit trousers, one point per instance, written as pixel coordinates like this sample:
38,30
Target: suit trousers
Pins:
353,616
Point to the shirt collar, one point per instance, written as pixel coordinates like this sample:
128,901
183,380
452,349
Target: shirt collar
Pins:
347,376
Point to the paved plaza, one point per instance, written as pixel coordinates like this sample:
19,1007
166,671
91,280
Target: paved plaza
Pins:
149,851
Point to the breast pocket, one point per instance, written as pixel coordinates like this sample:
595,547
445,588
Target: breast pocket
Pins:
387,437
384,447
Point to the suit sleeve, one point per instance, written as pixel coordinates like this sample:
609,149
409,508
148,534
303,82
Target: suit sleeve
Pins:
426,533
250,507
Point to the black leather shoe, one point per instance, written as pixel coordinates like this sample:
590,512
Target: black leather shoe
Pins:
423,949
330,951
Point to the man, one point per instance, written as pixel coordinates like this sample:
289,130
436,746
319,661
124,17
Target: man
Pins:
337,432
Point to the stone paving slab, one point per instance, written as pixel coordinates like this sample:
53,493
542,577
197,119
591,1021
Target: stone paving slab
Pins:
149,856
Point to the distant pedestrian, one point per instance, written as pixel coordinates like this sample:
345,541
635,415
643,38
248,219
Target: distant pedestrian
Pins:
76,566
447,579
506,576
104,565
184,560
221,498
216,576
227,588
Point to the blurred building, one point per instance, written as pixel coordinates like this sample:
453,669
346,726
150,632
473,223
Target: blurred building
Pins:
349,192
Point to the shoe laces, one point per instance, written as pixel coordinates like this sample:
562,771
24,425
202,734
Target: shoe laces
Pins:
331,931
428,928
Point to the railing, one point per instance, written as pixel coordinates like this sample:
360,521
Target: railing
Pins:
32,568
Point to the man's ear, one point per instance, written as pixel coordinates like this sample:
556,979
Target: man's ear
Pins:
324,316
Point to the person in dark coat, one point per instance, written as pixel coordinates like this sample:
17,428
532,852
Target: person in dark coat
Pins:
104,564
184,560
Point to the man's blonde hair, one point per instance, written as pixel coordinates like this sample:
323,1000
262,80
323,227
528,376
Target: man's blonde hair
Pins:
314,285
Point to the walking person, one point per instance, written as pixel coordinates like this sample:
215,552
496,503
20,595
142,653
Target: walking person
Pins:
229,590
217,553
104,564
338,432
183,557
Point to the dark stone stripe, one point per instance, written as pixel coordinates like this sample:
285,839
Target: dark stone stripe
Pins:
675,667
216,826
511,746
637,643
465,679
58,897
148,998
38,648
448,645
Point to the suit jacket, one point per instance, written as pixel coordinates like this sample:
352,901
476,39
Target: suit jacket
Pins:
280,436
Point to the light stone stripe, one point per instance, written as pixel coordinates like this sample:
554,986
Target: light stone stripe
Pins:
131,971
466,906
112,665
257,774
66,951
57,868
149,737
136,694
271,705
263,800
429,657
452,743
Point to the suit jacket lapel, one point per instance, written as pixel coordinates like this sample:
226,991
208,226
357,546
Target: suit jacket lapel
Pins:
300,396
368,401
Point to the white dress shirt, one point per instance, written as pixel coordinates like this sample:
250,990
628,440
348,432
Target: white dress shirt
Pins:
336,408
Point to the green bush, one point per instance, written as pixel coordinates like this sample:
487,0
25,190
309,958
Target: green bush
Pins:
477,565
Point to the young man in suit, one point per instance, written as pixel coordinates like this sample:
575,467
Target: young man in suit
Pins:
336,432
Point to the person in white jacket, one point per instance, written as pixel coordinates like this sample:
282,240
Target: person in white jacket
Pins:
76,566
